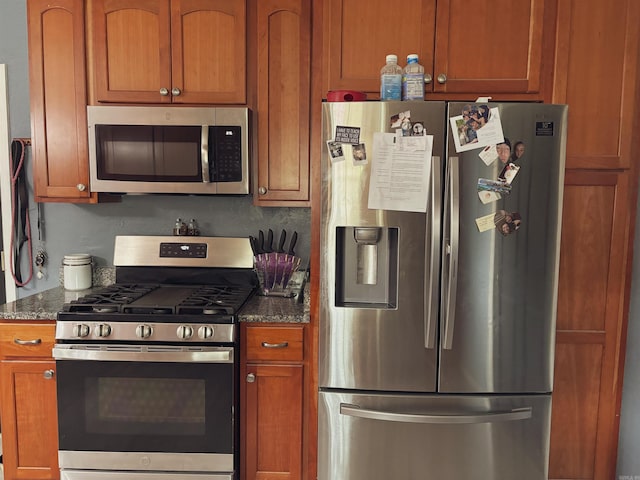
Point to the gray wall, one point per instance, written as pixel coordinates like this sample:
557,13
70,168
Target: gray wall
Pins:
69,228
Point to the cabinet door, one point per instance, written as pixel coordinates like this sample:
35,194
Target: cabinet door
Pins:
29,420
598,80
488,46
273,417
481,48
359,35
208,51
131,50
57,81
283,100
591,317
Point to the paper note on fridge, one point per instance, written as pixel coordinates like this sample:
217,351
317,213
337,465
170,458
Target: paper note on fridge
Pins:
399,178
469,134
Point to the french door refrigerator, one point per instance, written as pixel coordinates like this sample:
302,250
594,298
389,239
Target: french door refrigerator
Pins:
438,289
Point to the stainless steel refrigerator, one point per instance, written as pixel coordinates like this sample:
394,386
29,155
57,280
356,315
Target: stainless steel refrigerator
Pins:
437,315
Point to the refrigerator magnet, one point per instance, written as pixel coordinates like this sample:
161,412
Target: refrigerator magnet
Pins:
349,135
508,173
359,154
486,223
476,129
488,154
335,151
488,197
507,222
498,186
397,119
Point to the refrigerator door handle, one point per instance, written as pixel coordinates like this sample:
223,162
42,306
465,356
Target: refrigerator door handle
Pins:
431,300
452,220
461,418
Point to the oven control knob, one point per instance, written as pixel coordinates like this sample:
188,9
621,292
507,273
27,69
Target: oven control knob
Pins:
185,331
103,330
205,331
144,331
81,330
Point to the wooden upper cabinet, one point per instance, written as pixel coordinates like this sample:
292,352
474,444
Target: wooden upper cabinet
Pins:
483,48
57,80
168,51
283,94
596,73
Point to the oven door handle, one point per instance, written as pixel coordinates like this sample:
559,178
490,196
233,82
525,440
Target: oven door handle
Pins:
219,355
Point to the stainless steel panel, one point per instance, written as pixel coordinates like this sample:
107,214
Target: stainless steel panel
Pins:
144,353
433,437
365,347
148,461
222,252
506,286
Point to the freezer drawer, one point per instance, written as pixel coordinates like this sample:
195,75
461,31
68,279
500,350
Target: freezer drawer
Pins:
433,437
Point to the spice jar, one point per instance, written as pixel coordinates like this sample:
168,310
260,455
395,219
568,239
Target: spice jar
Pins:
77,271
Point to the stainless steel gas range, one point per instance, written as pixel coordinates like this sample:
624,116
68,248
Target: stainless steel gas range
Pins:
148,367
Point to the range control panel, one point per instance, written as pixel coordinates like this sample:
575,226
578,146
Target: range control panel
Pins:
183,250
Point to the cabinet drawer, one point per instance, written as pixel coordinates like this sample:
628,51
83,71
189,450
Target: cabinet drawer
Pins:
26,340
274,343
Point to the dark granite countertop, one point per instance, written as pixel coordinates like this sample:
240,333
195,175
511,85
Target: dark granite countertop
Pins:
45,306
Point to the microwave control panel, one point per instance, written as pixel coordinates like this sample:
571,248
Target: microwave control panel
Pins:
225,154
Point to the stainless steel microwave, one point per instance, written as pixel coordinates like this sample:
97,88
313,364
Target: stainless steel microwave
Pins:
188,150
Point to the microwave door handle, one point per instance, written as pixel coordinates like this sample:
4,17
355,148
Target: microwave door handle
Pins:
461,418
204,153
433,238
453,233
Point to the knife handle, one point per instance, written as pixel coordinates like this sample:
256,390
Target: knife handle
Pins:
283,238
294,239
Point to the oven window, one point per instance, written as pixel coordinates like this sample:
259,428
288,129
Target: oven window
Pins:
149,406
146,406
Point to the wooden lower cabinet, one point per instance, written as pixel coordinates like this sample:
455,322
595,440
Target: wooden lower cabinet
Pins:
272,403
28,407
595,252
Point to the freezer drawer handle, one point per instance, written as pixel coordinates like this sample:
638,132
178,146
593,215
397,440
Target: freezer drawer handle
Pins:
488,417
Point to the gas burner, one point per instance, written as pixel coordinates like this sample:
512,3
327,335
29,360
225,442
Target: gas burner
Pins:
105,309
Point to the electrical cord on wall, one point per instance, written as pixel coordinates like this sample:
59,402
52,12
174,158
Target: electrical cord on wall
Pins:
20,221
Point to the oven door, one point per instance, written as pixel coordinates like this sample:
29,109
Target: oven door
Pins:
153,408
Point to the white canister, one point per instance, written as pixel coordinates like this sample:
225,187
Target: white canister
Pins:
77,271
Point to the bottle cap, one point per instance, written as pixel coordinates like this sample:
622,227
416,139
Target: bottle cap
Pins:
392,58
412,58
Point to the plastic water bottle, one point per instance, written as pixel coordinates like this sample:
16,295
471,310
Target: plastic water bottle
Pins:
413,79
391,79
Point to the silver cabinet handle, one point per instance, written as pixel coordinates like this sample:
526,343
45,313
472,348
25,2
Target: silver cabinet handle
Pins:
48,374
164,92
442,78
452,231
251,378
487,417
204,153
175,91
81,187
275,345
428,78
433,269
35,341
262,190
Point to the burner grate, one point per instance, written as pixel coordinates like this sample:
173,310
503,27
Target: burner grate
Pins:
215,300
109,299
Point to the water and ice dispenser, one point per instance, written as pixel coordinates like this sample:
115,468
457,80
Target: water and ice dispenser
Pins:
366,266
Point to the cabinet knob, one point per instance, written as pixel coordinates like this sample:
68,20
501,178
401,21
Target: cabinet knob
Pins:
164,91
48,374
251,378
262,190
81,187
428,78
442,78
175,91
